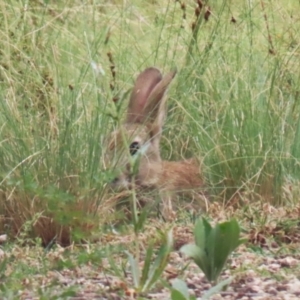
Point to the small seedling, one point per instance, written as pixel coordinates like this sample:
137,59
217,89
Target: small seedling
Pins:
146,277
213,246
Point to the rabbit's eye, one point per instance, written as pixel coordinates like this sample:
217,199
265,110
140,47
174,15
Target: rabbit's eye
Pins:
133,148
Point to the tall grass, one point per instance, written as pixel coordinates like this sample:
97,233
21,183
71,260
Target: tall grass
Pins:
236,103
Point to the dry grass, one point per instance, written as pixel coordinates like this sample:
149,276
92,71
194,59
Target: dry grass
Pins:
267,266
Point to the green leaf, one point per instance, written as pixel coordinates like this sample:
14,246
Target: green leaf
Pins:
160,262
141,219
216,289
222,240
232,230
197,254
135,164
180,286
147,264
116,269
213,246
201,231
177,295
226,239
135,270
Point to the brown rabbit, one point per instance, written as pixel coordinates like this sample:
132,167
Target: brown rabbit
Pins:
139,139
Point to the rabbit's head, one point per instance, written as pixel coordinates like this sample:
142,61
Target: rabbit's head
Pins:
133,149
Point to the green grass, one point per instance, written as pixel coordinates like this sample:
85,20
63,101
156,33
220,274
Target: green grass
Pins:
235,100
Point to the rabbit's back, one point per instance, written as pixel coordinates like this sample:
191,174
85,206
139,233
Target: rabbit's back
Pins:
180,175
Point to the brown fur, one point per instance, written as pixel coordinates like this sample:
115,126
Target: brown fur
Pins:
180,175
143,127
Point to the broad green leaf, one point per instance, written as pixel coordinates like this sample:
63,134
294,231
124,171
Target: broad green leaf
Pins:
201,232
228,240
198,255
224,238
217,254
134,264
213,246
216,289
181,286
232,230
210,249
177,295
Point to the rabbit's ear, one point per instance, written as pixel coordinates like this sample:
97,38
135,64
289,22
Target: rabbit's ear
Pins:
144,86
154,108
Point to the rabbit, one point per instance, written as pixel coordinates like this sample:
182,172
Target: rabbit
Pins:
139,139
